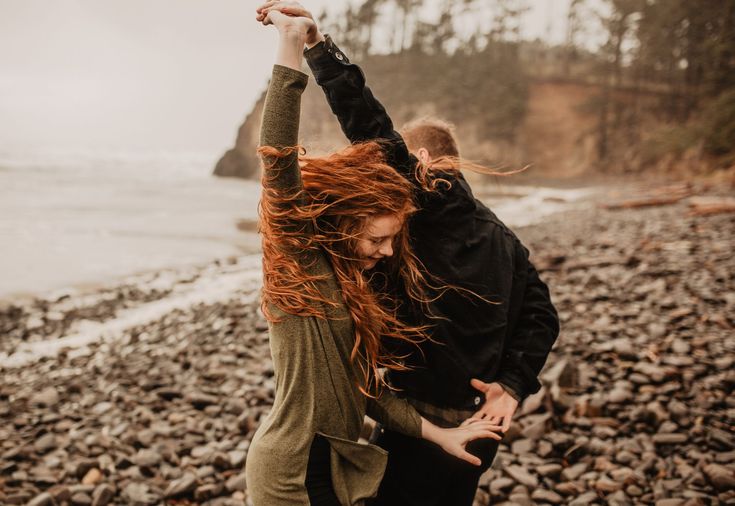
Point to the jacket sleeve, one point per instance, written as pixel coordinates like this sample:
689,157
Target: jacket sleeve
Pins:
361,116
395,414
533,335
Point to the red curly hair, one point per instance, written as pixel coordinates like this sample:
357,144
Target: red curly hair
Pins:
327,213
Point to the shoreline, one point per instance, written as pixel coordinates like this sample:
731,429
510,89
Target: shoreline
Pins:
162,404
40,271
84,288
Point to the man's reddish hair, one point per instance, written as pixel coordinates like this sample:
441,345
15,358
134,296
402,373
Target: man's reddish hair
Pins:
435,135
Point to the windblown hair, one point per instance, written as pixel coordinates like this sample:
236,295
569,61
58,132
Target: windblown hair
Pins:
326,214
438,138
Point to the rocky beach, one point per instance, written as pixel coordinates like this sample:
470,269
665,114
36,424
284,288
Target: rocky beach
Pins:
149,390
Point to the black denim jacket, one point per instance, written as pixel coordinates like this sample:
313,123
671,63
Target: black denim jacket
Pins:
462,242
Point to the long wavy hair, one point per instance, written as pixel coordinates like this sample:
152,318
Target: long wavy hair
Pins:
326,214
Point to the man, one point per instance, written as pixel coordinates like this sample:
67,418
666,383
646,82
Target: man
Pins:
490,337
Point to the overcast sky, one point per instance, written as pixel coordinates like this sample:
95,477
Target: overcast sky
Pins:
145,74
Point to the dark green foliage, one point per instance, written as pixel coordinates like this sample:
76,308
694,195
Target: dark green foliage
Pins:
661,63
671,140
476,77
719,121
483,88
671,57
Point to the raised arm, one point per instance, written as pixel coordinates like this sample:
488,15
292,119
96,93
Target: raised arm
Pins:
278,139
280,125
361,116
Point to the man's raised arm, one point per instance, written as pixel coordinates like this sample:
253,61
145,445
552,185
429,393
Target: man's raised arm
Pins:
361,116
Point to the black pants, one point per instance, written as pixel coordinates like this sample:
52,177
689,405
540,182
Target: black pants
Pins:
420,473
318,482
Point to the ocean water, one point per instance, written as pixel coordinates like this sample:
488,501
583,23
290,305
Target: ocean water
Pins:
81,218
74,218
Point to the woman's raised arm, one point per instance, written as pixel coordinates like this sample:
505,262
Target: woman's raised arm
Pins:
279,129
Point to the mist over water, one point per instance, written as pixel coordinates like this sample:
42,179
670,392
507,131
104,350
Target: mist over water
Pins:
88,217
114,115
74,217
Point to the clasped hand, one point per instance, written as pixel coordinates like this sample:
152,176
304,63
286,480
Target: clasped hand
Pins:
288,16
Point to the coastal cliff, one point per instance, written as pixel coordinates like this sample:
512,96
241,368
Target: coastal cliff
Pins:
503,119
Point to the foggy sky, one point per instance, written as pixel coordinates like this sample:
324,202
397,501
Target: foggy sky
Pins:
145,75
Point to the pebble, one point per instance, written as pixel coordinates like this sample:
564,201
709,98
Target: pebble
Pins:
187,483
573,472
147,458
634,491
81,499
547,496
45,443
236,482
585,499
208,491
522,446
102,495
44,499
92,477
634,394
237,458
498,485
60,493
625,457
200,400
619,395
549,470
618,499
18,498
48,397
670,439
721,477
568,488
606,485
139,494
522,476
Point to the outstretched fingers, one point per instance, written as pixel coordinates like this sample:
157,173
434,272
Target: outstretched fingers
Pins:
468,457
485,434
506,423
481,429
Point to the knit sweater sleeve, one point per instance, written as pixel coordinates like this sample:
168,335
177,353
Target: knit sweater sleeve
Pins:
280,129
395,413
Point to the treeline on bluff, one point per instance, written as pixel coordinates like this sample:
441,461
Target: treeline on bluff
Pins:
638,85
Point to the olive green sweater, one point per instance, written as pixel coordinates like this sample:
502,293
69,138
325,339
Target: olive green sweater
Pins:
316,383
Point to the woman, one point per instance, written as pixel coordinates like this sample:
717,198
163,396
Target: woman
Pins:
325,225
